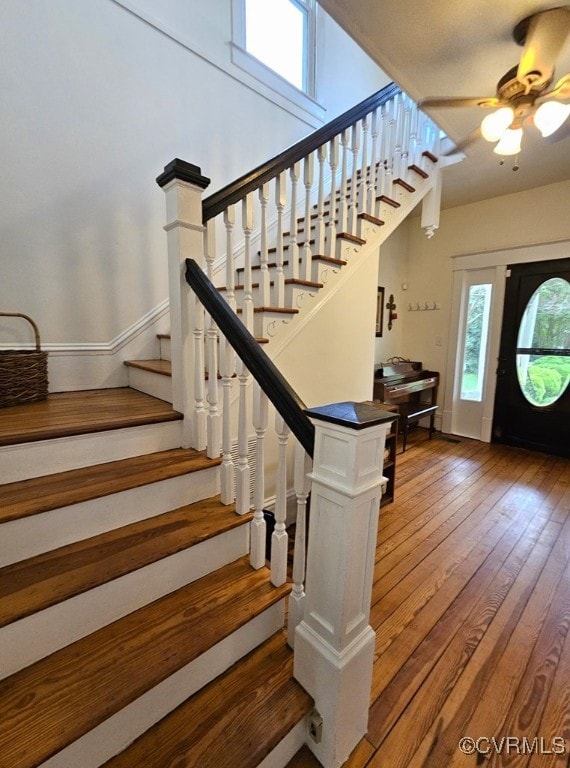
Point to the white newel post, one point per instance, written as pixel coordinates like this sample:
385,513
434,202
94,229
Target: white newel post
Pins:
334,643
183,185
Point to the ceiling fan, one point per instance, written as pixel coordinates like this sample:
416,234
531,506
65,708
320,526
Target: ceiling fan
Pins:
524,94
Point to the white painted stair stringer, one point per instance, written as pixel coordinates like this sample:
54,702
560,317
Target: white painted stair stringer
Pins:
116,733
23,461
74,618
29,536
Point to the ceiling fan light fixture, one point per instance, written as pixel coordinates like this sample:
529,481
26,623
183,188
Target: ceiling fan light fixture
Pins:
493,126
550,116
510,143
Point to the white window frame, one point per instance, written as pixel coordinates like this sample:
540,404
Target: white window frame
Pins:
268,77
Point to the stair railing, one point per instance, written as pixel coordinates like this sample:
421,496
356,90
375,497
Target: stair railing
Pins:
368,151
360,157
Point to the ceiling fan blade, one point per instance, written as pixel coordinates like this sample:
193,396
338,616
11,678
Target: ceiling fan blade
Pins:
561,91
462,145
543,36
481,101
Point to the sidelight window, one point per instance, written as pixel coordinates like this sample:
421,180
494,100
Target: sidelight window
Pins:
475,342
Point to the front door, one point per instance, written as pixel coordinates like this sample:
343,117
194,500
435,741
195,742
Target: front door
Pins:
532,400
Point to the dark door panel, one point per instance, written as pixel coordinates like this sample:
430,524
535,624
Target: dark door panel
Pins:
532,401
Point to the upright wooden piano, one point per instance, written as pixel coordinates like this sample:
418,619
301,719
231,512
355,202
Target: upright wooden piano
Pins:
412,388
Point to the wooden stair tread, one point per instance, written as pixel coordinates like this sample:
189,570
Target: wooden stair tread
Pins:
64,414
419,171
234,721
429,155
371,219
51,703
162,335
49,578
163,367
278,310
40,494
405,185
388,200
350,237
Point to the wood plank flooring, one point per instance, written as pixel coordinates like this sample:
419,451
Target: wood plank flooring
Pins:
471,608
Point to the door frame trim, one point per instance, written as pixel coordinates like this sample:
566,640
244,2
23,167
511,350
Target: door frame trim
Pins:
462,264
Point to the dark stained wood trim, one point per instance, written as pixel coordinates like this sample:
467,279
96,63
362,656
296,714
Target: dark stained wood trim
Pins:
180,169
429,155
286,401
371,219
351,238
419,171
404,184
388,200
219,201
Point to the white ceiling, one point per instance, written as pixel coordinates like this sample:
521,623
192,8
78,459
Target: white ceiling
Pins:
459,48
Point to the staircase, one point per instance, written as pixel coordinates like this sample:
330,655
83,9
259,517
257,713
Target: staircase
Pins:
127,602
139,624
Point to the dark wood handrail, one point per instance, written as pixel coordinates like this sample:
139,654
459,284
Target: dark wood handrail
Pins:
219,201
262,368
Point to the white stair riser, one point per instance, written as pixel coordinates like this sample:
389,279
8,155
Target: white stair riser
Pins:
43,532
151,383
165,349
116,733
80,615
45,457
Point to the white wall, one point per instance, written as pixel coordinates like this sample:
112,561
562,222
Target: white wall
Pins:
531,217
96,101
392,273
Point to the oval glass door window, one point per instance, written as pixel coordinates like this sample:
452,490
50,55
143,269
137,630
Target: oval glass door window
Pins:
543,344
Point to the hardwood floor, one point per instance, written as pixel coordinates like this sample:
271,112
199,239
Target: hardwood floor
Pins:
471,608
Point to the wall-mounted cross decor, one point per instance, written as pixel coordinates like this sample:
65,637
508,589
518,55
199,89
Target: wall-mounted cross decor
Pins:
390,306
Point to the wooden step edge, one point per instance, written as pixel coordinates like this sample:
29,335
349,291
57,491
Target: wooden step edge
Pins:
371,219
405,185
34,422
39,582
419,171
55,701
429,155
287,246
330,260
270,265
303,283
162,335
162,367
42,494
278,310
351,238
388,200
209,727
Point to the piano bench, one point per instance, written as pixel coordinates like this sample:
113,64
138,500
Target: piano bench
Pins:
410,413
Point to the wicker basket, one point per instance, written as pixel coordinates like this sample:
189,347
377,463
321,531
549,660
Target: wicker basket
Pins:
23,373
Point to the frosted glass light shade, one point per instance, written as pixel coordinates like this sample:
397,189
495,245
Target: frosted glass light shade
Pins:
550,116
510,143
494,125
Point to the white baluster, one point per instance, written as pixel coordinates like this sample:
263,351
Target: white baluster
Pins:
331,225
227,370
302,486
353,199
384,149
242,470
406,138
414,119
257,538
199,416
365,168
280,200
398,137
293,246
320,230
247,224
279,538
343,203
391,145
213,421
229,221
306,265
371,203
264,280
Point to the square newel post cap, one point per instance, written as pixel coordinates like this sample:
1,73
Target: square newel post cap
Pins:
352,415
180,169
